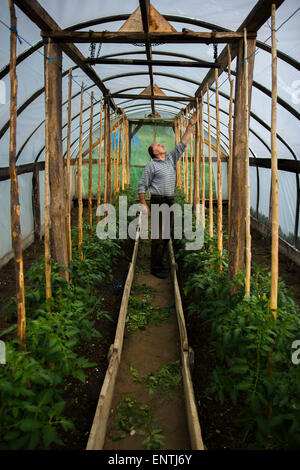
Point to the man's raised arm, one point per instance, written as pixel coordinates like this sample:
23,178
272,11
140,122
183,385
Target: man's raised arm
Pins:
186,136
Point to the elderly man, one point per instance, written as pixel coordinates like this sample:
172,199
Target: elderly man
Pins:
159,176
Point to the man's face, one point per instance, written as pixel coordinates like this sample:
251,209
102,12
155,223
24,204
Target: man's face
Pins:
158,150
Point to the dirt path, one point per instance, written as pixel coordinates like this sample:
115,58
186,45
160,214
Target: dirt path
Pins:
148,350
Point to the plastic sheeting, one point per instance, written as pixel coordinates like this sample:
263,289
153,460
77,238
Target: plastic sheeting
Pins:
228,14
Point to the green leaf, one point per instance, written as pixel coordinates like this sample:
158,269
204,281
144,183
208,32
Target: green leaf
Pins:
79,374
29,425
49,435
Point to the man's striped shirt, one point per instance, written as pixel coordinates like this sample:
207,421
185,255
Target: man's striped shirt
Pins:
159,176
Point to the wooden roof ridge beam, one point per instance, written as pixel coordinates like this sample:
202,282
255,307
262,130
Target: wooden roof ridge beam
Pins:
169,63
149,97
253,22
45,22
140,37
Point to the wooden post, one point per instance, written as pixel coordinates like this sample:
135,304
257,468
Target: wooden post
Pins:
107,176
100,161
14,188
118,158
196,162
236,242
203,163
186,185
36,203
80,206
115,154
219,176
91,165
211,211
230,133
69,239
247,177
128,151
191,167
123,152
53,92
274,182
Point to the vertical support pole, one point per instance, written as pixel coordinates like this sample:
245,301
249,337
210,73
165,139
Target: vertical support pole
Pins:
68,170
14,188
91,165
230,134
53,91
107,175
100,161
274,253
80,206
191,167
186,162
118,157
203,163
219,176
36,203
129,150
196,162
123,151
236,242
211,212
247,177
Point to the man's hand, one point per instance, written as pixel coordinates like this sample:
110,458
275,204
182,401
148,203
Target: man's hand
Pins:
193,119
186,136
144,205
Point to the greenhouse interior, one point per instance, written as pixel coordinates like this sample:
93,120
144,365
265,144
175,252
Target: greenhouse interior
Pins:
116,117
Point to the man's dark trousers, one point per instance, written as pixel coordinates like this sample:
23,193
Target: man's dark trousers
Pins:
159,246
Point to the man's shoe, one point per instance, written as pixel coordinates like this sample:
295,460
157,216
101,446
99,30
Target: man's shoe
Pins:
159,273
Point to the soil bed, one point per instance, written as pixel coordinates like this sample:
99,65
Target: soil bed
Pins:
216,420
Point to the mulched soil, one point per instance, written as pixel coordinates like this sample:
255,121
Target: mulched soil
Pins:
216,420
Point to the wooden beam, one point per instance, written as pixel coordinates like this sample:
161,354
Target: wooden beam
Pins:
149,97
256,18
36,203
137,37
16,237
236,242
45,22
53,109
168,63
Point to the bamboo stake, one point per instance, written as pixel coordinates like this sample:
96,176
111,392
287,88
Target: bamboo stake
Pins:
127,152
69,240
115,154
179,163
203,164
91,165
274,253
230,134
247,178
46,201
219,176
80,206
123,153
105,153
14,188
186,182
118,160
201,144
211,212
191,168
100,161
196,162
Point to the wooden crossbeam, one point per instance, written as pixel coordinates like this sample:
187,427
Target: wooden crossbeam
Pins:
168,63
149,97
138,37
